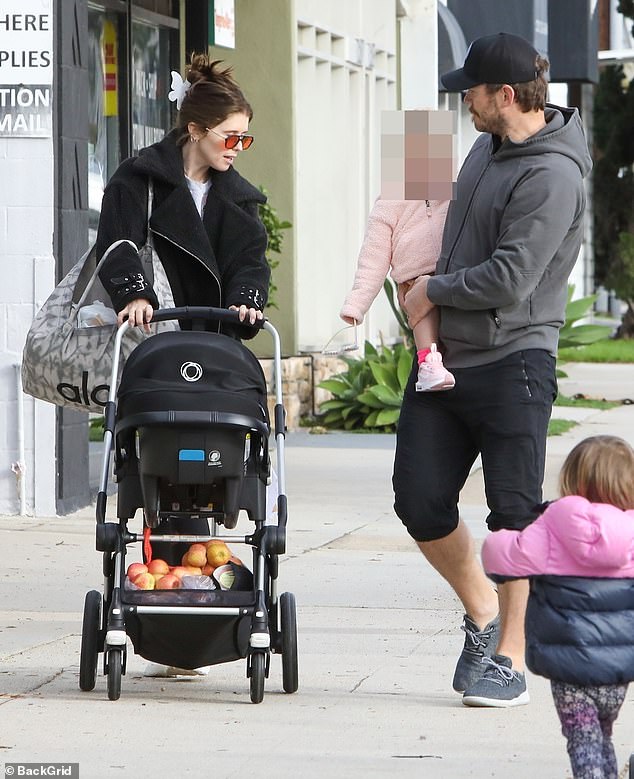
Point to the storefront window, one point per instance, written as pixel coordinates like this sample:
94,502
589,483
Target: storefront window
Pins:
104,78
146,79
150,85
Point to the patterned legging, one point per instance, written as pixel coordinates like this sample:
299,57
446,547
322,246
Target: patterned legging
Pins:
587,715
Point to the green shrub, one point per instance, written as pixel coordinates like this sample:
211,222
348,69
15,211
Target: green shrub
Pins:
574,334
368,395
274,227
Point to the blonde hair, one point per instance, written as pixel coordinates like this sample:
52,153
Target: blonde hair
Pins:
213,96
600,469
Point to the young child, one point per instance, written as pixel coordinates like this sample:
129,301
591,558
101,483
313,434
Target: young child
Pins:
579,555
404,235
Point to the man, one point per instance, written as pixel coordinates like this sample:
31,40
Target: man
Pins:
510,241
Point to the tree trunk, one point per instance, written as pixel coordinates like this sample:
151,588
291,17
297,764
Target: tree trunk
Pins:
626,328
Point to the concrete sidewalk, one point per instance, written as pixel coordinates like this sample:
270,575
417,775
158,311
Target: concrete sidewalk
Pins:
378,639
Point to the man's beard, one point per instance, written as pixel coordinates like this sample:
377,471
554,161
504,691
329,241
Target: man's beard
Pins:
490,124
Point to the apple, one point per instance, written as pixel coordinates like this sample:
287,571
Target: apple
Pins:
179,571
168,582
196,556
134,569
157,577
158,566
193,570
236,560
218,554
207,570
144,581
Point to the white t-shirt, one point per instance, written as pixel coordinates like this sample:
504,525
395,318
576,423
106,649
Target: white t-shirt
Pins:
199,191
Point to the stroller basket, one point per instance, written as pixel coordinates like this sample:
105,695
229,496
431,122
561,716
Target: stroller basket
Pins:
156,628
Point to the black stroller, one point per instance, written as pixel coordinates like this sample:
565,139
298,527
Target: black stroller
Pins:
189,435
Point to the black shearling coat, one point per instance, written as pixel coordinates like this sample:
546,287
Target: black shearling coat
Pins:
217,261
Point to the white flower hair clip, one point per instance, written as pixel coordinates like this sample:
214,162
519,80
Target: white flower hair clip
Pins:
179,89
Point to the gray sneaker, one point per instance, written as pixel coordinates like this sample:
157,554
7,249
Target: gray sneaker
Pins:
477,645
500,686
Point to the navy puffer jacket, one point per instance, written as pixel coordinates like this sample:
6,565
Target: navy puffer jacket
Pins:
581,630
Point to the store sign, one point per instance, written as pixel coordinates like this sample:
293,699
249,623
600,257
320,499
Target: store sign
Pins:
26,68
223,24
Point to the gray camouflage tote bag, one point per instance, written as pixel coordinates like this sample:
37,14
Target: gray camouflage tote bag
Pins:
67,357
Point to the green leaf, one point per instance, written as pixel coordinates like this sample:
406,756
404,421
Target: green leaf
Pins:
386,396
333,416
385,375
336,386
370,399
579,308
369,350
587,334
330,405
370,420
389,416
404,367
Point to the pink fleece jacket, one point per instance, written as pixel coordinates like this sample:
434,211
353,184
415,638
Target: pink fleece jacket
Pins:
404,235
573,537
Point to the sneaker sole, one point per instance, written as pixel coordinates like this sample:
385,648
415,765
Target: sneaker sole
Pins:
496,703
435,387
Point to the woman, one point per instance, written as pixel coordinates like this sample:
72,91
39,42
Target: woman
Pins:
204,217
204,223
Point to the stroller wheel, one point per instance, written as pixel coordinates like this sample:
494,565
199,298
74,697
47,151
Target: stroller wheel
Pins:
90,630
114,674
288,620
257,675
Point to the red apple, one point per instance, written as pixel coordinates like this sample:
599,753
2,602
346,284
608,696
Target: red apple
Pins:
179,571
207,570
158,566
193,570
134,569
218,554
168,582
196,556
157,577
236,560
144,581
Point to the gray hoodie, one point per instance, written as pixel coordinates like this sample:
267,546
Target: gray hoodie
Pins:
510,241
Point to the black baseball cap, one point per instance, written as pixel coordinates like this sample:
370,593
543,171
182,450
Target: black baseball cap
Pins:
494,59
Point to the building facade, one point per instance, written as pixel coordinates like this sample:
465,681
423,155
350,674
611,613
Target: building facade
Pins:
83,84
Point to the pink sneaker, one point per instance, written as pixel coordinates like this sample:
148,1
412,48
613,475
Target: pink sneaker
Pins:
432,374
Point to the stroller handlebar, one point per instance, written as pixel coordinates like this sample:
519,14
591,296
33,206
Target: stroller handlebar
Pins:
204,312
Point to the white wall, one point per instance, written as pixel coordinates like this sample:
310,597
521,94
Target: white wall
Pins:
338,106
28,272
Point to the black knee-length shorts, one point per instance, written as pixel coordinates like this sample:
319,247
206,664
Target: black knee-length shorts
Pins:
501,411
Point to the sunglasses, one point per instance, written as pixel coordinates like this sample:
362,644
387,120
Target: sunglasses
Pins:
334,348
231,141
